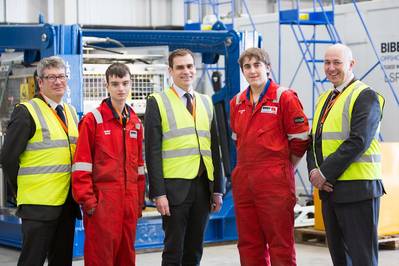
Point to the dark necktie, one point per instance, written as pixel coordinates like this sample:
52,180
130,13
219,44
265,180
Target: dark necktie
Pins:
331,102
60,113
189,104
334,94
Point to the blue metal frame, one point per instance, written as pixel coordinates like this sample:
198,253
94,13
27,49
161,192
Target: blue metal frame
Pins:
307,46
39,41
320,16
42,40
10,230
221,227
210,44
298,19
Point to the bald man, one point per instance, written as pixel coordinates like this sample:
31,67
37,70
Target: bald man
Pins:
344,161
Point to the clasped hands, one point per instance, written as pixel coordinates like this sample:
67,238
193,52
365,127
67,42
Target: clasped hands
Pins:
317,180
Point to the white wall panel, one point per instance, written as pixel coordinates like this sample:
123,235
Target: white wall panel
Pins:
95,12
66,12
2,11
25,11
116,12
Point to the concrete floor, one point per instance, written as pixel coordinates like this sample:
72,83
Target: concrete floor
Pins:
227,255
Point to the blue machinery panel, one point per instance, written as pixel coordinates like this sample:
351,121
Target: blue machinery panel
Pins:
221,227
211,44
41,40
293,16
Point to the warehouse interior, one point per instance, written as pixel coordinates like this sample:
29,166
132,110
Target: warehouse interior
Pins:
90,35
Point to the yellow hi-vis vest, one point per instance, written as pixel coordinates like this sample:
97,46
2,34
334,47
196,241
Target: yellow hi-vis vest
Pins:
185,140
45,166
336,130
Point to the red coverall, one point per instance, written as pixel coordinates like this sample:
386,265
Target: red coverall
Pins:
108,175
263,181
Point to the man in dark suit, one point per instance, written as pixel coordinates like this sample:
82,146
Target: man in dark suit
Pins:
182,157
344,161
36,158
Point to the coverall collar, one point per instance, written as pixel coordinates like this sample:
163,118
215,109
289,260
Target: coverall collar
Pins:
264,91
109,112
268,93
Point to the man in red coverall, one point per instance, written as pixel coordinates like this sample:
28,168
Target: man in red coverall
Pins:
108,174
271,134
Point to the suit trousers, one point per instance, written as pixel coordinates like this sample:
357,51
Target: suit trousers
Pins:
184,228
52,239
351,230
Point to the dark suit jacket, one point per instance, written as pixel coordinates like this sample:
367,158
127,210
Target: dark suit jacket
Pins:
175,189
366,115
20,129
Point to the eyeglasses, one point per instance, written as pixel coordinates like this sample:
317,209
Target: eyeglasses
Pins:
53,78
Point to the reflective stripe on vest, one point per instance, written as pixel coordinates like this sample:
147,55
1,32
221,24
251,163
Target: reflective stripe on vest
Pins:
47,143
336,130
45,169
184,152
45,165
183,140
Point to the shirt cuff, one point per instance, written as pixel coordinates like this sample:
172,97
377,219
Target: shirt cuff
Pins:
161,196
317,169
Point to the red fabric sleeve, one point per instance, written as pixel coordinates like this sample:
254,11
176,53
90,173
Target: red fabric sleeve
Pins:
141,177
82,181
295,122
232,112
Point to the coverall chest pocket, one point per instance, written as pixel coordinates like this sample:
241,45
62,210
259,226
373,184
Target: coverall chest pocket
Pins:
132,146
269,132
242,117
106,144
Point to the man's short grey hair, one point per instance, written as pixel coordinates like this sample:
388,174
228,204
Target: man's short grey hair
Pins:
50,62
